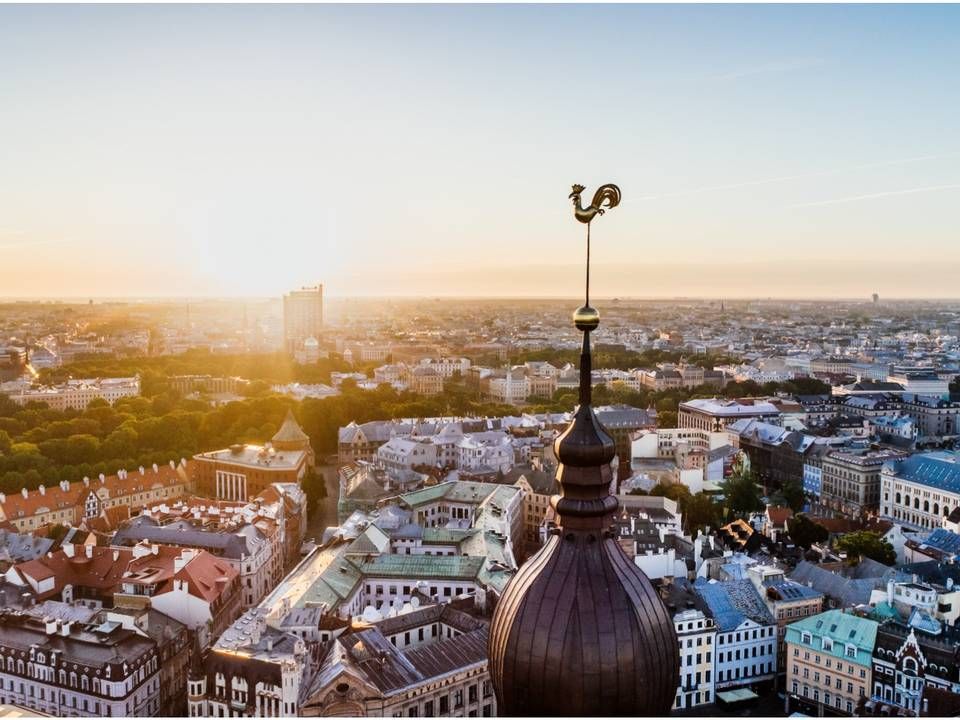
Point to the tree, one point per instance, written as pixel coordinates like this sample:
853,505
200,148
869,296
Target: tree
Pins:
700,512
315,487
805,532
674,491
5,442
865,543
793,495
741,494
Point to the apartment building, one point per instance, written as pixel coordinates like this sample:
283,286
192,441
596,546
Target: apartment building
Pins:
697,634
829,663
255,556
70,503
62,668
746,643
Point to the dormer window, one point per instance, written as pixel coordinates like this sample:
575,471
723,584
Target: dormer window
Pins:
806,638
851,651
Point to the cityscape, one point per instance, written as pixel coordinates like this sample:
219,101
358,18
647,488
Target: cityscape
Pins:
415,451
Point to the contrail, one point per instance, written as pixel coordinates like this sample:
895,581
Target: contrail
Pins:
802,176
871,196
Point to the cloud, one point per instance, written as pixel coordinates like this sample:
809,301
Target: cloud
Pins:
871,196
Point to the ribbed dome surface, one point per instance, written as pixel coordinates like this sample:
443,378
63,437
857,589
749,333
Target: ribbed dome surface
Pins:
580,631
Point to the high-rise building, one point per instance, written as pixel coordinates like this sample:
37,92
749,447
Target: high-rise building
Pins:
302,316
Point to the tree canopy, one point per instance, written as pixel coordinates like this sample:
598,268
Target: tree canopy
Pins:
805,532
866,543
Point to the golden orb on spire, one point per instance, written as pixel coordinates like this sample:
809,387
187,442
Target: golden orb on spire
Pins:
586,318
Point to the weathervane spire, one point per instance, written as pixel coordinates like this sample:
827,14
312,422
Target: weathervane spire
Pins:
585,317
579,630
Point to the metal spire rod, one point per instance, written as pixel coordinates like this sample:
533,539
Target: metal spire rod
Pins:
588,266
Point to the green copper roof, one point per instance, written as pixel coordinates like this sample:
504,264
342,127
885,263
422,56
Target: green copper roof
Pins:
458,491
446,535
842,630
421,567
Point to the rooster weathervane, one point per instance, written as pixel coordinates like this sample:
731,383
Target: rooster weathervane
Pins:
606,197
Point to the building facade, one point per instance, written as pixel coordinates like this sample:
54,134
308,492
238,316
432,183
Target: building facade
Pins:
66,669
830,663
921,490
851,481
302,316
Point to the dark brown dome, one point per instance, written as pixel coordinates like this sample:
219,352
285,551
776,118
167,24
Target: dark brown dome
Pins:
580,630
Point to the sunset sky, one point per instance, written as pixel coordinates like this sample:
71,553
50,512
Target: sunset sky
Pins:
246,150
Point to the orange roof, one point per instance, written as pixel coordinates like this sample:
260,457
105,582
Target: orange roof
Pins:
53,498
779,515
100,571
207,576
108,568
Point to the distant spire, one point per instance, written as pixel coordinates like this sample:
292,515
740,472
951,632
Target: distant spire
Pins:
290,436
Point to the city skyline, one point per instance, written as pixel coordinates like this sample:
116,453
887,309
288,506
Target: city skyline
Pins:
763,151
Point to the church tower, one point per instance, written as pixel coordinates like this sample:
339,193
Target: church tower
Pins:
579,629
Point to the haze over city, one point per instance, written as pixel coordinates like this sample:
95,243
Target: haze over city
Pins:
773,151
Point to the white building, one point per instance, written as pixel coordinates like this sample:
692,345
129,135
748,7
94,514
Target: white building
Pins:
62,668
921,490
746,645
696,633
77,394
447,367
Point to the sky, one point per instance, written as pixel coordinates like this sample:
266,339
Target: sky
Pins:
762,151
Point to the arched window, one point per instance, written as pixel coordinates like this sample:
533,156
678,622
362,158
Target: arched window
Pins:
899,500
936,508
916,503
910,666
926,506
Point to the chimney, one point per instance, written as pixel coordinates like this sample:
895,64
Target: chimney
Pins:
181,561
890,592
86,481
50,625
141,469
88,549
65,628
102,478
155,468
173,465
42,488
3,498
23,491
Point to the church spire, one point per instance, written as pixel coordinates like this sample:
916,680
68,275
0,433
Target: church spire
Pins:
579,629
